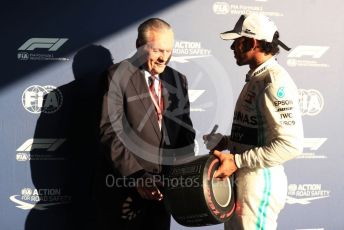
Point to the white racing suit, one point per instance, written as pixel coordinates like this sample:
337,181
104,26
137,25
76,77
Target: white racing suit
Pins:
266,132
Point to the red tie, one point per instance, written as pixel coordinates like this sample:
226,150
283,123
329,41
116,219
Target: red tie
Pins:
158,102
152,89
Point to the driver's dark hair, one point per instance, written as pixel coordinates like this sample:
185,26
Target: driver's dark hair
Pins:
270,47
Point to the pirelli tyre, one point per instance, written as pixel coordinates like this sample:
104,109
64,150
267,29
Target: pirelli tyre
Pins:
194,197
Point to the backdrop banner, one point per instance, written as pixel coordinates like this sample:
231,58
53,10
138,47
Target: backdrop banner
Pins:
50,94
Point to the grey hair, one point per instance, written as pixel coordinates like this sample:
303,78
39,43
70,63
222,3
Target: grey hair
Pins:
148,25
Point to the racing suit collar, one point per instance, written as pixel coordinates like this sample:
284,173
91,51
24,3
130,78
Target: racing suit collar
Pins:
260,69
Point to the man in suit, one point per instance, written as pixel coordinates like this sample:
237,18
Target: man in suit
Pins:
145,126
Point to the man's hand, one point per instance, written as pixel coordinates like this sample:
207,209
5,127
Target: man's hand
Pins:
227,164
147,187
215,141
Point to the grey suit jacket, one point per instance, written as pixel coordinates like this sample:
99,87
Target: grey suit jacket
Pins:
130,133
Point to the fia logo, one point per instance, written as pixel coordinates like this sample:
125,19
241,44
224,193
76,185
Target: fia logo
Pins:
311,102
221,8
23,56
46,99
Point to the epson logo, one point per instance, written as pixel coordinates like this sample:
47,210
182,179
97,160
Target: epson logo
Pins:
52,44
283,102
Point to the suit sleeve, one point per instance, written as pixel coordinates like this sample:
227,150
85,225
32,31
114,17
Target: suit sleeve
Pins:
111,128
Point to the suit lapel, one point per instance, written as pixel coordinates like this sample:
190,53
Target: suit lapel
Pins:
139,84
165,95
164,77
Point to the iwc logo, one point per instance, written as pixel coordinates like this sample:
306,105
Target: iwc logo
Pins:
46,99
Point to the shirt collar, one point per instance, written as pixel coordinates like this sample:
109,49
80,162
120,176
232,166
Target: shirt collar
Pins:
148,74
260,69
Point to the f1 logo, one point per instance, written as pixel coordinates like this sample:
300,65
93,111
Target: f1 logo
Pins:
52,44
313,143
312,51
38,143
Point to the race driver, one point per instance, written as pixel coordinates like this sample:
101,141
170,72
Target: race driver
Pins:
267,128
